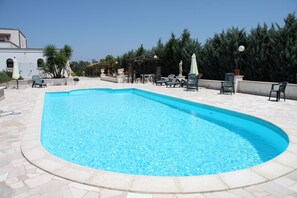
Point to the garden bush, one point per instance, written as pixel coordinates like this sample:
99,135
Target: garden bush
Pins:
4,77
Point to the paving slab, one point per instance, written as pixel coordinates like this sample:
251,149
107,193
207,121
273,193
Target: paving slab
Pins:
19,178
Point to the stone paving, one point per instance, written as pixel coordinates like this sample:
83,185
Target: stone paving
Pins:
19,178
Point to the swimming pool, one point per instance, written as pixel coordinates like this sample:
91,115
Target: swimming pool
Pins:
138,132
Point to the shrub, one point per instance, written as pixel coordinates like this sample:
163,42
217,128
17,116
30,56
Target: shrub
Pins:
8,73
4,77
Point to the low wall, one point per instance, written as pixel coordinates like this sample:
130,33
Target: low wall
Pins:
210,84
13,84
244,86
28,83
109,79
2,93
263,88
58,81
251,87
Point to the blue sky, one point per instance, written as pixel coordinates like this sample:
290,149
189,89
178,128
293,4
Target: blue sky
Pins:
96,28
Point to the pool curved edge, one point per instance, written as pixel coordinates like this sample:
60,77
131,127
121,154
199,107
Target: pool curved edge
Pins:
33,151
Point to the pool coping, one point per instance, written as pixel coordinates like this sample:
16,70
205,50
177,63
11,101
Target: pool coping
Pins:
34,152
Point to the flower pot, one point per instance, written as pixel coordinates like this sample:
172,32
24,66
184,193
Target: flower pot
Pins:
237,72
75,80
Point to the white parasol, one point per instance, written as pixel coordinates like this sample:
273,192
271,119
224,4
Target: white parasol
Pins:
16,71
194,68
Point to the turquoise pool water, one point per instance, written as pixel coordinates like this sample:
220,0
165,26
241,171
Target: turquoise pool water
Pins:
138,132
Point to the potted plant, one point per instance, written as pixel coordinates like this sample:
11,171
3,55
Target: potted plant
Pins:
75,80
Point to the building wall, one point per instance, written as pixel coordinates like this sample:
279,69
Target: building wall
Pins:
23,40
17,38
26,58
7,45
13,45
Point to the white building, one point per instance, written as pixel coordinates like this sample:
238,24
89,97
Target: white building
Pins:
12,38
13,43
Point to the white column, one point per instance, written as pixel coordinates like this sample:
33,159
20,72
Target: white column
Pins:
237,78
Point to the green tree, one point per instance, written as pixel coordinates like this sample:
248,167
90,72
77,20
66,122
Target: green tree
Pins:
170,58
79,67
122,60
260,53
270,53
4,77
187,46
56,60
112,61
158,50
287,50
140,51
220,54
